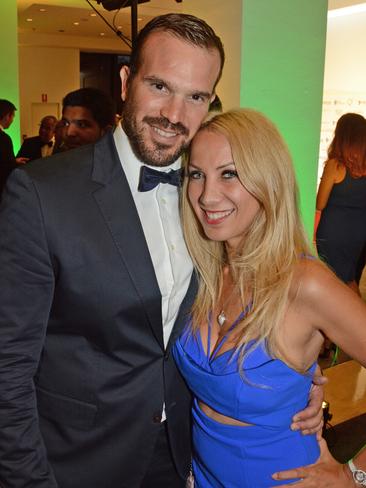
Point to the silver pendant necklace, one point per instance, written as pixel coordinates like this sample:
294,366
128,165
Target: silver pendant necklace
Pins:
221,318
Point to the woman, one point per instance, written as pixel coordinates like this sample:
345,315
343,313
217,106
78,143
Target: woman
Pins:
250,347
341,234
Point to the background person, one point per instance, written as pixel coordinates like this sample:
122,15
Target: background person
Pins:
87,114
341,233
42,145
7,159
263,305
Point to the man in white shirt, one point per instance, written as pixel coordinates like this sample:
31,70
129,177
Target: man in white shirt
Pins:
102,285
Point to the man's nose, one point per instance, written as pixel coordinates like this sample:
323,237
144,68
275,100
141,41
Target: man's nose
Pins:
174,109
71,130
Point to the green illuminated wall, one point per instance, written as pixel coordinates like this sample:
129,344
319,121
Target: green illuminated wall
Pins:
283,48
9,88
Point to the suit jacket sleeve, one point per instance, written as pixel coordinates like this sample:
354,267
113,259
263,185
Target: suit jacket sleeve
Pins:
26,284
7,158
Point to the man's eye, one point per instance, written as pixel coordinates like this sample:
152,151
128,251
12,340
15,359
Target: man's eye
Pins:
158,86
195,175
229,173
198,98
81,124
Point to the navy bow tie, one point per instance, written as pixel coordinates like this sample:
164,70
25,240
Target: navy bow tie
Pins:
150,178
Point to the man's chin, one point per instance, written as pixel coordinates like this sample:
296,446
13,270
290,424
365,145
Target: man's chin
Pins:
162,156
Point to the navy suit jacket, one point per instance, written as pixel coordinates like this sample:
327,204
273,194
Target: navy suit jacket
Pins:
7,158
31,148
83,369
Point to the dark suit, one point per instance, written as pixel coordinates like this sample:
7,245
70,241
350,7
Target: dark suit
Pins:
7,158
31,148
80,318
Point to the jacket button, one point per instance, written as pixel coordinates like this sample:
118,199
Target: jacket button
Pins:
157,418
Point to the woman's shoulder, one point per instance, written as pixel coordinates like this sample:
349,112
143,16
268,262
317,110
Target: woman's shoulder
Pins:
335,168
311,280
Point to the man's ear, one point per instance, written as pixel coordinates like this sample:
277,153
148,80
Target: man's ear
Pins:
124,74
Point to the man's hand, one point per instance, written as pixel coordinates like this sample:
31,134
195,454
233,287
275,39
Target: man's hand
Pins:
21,160
325,473
310,420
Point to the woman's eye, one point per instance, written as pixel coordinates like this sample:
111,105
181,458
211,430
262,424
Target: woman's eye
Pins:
230,173
194,175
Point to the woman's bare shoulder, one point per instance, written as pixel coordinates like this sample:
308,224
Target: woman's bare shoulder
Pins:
312,279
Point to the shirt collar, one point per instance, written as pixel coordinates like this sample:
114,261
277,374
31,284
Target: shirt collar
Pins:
131,165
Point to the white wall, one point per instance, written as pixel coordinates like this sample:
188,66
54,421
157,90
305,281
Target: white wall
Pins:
225,19
44,70
344,76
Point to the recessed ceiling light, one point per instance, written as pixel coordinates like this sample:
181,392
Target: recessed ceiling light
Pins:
29,20
76,23
102,34
139,19
93,15
42,10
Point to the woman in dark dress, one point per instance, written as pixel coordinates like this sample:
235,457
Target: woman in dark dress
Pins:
341,234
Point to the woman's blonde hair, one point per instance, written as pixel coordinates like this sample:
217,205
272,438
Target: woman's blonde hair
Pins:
274,242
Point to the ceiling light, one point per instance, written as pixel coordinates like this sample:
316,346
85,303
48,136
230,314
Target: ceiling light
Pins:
340,12
102,34
93,15
42,10
29,20
76,23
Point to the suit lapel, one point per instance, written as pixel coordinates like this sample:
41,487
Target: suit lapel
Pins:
116,204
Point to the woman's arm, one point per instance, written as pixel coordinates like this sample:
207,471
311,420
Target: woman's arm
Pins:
332,308
329,177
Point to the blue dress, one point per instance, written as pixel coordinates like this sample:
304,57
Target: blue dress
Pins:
270,393
341,233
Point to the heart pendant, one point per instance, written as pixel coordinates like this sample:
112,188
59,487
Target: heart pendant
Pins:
221,318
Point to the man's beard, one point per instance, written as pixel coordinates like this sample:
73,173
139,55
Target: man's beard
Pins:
157,155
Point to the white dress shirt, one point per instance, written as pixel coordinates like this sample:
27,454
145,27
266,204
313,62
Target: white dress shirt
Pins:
158,210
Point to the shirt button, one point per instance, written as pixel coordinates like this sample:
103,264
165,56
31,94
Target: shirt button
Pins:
163,201
172,247
156,418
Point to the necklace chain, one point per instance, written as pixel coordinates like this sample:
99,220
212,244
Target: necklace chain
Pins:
221,318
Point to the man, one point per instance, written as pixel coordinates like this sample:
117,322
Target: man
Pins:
42,145
90,394
87,114
7,159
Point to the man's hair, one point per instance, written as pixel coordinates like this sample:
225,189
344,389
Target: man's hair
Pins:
49,117
6,108
100,104
185,27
